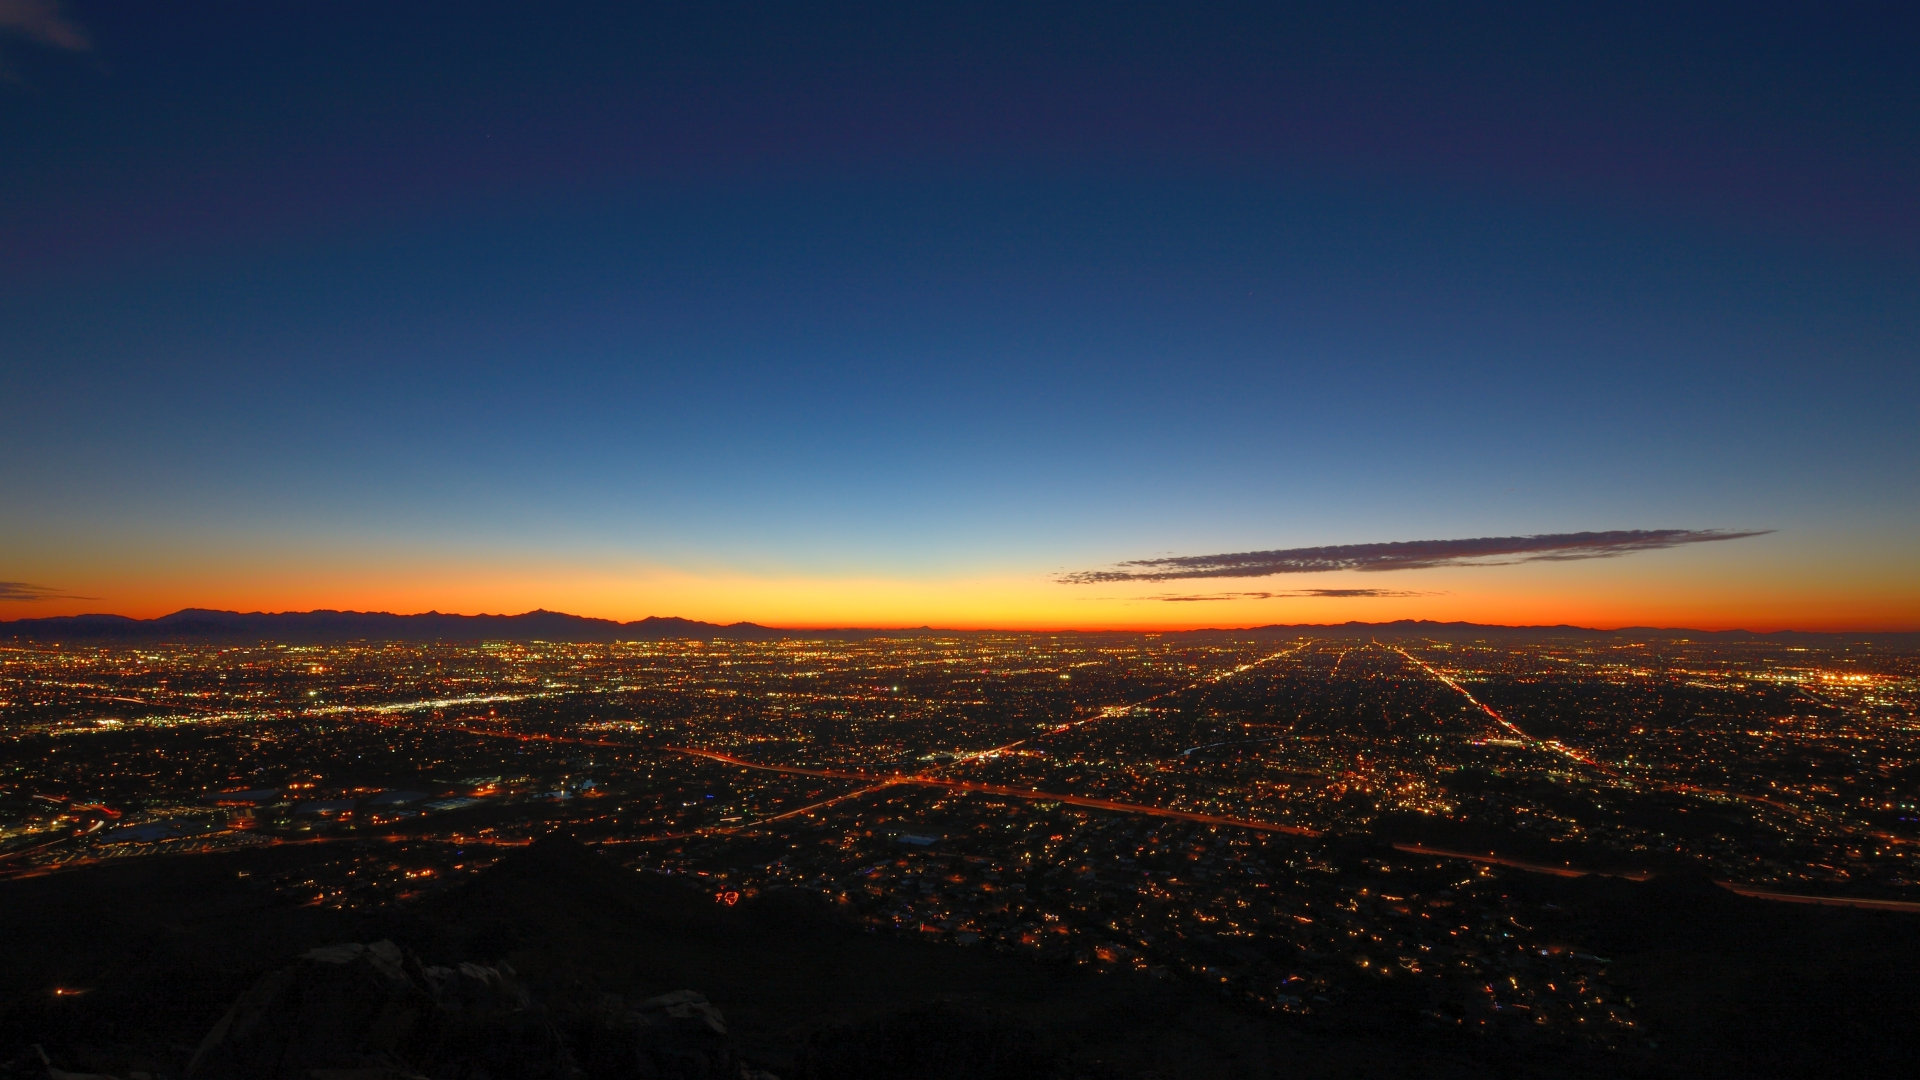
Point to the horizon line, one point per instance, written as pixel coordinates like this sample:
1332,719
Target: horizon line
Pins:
928,628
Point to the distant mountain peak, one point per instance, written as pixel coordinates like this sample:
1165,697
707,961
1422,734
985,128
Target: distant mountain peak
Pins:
189,625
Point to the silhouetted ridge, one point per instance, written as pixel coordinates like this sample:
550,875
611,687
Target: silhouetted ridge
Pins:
318,627
557,860
553,872
197,625
1688,889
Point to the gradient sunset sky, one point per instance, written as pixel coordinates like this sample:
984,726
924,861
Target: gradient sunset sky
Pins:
963,315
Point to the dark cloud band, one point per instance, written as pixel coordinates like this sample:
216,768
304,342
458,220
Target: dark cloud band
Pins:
43,21
1297,594
1406,555
20,590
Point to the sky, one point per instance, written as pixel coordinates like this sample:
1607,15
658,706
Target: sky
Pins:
963,315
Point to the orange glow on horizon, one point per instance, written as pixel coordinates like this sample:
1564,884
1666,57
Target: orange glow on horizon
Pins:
1601,597
1801,583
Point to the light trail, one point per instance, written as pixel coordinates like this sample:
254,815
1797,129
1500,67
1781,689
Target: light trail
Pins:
187,705
419,706
927,778
1554,746
1032,795
1677,788
83,862
1189,751
790,770
1118,710
1863,903
540,737
1337,661
879,782
875,783
1490,859
1860,902
811,807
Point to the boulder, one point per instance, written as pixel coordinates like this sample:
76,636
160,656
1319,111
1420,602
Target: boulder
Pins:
370,1012
676,1036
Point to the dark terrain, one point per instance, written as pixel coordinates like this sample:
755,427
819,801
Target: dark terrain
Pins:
160,948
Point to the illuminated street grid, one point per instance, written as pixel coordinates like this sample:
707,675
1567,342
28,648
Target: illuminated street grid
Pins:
1305,824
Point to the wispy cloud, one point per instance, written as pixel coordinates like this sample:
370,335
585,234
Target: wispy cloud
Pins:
21,590
1297,594
1405,555
42,21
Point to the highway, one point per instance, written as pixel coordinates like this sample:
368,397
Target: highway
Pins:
871,782
1121,710
877,782
927,777
1490,859
1029,794
1555,746
1859,902
1550,745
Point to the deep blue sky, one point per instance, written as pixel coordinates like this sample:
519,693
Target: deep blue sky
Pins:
939,292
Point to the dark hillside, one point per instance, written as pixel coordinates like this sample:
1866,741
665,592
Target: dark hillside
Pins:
161,947
1726,985
1733,986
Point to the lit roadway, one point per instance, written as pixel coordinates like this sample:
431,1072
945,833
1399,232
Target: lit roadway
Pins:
1030,794
877,782
981,755
927,777
1552,745
1557,747
456,839
1866,903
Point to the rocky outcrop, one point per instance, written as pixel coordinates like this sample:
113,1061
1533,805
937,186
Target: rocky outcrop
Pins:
372,1012
677,1036
941,1042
